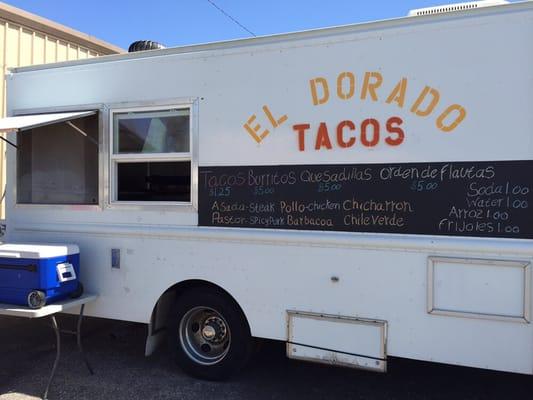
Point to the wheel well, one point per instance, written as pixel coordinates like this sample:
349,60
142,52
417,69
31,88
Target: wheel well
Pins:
165,302
183,286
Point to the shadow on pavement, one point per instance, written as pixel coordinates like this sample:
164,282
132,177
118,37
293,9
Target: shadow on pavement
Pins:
116,351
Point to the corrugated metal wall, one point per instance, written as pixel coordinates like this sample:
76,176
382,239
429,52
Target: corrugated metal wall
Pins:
20,46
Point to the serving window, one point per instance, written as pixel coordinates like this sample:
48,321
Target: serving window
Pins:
57,160
151,156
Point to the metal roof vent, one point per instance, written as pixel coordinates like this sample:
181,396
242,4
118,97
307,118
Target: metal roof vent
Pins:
456,7
141,45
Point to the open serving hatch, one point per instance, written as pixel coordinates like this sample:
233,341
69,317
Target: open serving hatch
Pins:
57,157
24,122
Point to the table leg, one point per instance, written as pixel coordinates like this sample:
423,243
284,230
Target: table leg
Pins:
78,337
58,354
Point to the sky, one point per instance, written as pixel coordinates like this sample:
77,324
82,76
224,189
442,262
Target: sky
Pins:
184,22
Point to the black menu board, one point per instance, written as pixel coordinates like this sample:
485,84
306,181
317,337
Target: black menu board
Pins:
483,199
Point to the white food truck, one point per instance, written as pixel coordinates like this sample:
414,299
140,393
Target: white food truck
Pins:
357,192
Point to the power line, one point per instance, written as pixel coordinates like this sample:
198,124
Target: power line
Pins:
230,17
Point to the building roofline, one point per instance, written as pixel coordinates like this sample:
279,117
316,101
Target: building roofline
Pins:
24,18
293,36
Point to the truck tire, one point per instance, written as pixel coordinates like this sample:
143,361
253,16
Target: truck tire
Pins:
209,336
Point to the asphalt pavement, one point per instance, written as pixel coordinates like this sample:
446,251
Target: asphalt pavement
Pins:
116,351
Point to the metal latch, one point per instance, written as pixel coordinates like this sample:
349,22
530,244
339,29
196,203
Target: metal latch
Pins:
65,272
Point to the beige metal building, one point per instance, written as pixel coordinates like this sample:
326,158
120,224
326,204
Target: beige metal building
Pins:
27,39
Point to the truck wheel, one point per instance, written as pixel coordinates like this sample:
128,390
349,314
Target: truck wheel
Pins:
36,299
209,335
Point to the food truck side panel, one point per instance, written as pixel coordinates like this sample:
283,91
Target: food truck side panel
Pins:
307,80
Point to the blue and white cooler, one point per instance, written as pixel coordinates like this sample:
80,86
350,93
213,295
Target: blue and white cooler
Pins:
35,274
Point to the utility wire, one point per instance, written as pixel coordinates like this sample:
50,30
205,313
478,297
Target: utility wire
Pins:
230,17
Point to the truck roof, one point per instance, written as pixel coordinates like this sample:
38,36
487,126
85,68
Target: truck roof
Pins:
292,36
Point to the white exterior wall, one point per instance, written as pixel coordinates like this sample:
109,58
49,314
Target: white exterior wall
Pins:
478,59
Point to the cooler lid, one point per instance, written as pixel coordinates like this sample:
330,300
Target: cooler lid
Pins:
37,251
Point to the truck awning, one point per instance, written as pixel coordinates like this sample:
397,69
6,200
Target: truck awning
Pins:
25,122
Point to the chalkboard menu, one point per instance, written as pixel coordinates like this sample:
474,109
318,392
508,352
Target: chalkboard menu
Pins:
483,199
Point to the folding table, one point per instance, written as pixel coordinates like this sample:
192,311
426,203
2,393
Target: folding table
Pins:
50,311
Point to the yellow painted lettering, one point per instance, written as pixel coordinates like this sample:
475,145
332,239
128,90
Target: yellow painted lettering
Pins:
275,122
461,114
253,130
398,93
314,90
371,82
341,92
417,107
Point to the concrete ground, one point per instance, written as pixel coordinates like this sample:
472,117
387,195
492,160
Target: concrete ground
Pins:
122,372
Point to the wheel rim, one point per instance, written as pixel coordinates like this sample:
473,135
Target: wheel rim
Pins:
204,335
36,299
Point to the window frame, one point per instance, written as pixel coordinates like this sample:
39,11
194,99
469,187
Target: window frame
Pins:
12,179
190,156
